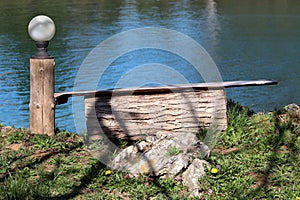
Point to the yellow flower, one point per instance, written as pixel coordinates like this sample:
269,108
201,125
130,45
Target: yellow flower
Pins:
214,170
107,172
297,198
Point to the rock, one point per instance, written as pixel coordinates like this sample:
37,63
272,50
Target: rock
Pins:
293,113
162,155
191,176
293,109
6,129
166,155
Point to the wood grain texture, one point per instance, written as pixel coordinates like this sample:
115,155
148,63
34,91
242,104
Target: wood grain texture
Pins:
137,115
62,97
42,96
137,112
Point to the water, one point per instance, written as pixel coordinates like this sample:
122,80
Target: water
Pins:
249,39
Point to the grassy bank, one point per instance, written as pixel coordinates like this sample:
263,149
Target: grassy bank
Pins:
258,158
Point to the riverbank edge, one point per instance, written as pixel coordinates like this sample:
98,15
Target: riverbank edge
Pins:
257,157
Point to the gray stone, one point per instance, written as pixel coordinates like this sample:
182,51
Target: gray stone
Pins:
162,155
191,176
166,155
293,109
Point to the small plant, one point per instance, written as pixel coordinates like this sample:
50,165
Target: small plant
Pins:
173,151
201,134
16,137
45,142
96,146
18,187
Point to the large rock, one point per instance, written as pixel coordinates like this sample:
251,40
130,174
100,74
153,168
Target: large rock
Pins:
191,176
161,155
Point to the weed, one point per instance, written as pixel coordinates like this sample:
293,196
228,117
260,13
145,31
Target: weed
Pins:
16,137
173,151
18,187
44,142
201,134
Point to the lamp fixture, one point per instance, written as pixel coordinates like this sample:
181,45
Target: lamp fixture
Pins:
41,29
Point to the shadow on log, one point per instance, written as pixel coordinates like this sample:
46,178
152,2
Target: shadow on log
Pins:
134,113
135,116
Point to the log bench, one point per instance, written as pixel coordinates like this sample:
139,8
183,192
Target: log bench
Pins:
133,113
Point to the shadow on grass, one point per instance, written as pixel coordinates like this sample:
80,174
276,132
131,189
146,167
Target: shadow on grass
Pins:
264,182
17,186
21,176
84,181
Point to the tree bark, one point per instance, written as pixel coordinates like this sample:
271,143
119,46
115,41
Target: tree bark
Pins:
137,116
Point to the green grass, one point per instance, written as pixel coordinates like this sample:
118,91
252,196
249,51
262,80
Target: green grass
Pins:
173,151
258,157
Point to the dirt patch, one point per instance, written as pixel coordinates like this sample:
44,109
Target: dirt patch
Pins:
262,180
49,168
40,154
16,147
224,151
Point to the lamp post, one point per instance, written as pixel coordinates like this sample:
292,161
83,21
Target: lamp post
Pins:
42,29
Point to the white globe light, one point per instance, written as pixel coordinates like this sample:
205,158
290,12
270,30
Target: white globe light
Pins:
41,28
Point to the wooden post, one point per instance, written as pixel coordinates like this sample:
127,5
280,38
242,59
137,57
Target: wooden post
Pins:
42,96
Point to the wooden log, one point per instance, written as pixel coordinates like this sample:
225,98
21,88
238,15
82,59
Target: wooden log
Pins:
133,113
138,115
42,96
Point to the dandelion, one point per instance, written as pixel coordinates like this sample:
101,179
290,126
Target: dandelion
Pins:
297,198
108,172
214,170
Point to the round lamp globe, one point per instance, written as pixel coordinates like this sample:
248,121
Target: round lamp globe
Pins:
41,28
